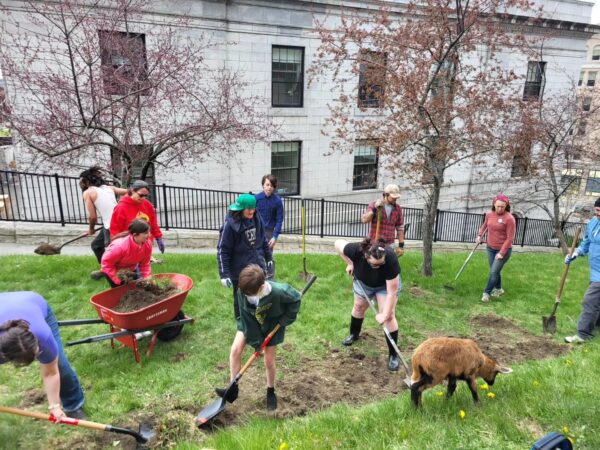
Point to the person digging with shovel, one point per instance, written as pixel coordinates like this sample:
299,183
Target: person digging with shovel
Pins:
263,304
28,331
590,308
386,218
375,266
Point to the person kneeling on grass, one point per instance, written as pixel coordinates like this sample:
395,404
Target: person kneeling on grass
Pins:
131,252
28,331
263,304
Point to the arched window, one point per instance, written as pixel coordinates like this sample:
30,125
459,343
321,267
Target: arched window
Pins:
596,53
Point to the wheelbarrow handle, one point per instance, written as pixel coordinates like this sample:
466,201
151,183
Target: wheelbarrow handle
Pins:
65,323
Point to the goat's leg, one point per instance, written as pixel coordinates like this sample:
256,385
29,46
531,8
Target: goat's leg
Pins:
451,386
473,387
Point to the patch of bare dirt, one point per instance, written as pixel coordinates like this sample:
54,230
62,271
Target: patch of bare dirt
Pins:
33,397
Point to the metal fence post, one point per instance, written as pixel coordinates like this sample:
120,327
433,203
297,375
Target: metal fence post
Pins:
437,221
322,217
524,230
60,205
164,186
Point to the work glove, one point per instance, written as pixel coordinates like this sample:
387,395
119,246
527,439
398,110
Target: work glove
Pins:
270,268
570,258
161,245
226,282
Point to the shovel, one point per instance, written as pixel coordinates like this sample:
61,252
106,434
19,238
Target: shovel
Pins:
144,435
215,408
48,249
304,275
450,287
549,323
407,368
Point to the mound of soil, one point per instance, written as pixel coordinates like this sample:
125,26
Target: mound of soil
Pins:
126,275
33,397
47,249
146,293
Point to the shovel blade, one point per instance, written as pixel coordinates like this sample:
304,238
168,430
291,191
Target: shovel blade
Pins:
210,412
407,382
549,324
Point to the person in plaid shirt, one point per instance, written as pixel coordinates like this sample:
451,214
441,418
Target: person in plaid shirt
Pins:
392,218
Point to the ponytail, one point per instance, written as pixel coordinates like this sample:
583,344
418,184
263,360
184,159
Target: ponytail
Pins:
17,343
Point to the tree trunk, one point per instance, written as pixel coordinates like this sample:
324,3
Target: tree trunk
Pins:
430,213
562,241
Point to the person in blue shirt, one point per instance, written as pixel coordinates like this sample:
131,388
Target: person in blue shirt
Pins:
270,208
590,308
28,331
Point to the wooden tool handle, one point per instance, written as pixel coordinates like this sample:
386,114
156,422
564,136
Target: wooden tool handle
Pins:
48,417
566,271
379,214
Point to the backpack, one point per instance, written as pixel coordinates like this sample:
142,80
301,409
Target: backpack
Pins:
553,441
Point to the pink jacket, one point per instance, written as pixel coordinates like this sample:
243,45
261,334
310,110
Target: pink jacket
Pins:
125,253
501,231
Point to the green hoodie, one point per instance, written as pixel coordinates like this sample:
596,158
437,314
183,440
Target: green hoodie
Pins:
280,306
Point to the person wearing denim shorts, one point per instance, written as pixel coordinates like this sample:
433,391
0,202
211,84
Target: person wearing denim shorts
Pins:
375,268
500,226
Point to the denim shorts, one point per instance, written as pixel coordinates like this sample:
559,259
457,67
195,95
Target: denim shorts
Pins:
372,291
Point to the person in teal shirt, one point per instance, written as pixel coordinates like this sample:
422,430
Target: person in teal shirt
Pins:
263,304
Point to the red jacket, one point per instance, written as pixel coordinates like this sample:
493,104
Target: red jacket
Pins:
125,253
127,210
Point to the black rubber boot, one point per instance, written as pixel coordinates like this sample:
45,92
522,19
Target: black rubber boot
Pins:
271,399
355,327
232,395
393,363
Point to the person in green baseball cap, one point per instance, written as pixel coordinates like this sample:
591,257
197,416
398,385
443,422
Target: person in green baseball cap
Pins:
242,241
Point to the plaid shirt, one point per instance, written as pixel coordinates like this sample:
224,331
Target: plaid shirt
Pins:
389,225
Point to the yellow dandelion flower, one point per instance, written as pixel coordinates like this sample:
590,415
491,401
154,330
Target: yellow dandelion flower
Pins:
284,446
565,430
439,393
484,386
585,350
569,362
536,383
491,394
462,414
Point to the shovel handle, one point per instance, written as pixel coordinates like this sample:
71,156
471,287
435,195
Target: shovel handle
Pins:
78,237
566,271
379,214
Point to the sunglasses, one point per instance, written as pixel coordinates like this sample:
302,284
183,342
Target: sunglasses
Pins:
143,195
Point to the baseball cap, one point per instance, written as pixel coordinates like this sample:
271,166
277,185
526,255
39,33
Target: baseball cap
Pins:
139,184
393,190
244,201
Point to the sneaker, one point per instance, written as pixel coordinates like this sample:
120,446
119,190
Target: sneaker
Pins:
97,275
232,393
271,400
485,297
497,292
77,414
574,339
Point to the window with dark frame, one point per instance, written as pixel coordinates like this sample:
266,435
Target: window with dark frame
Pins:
285,165
592,186
596,53
521,161
581,75
535,80
365,166
371,79
581,127
124,62
571,180
586,105
591,81
287,76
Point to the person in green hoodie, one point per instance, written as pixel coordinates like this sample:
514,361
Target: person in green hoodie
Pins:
263,305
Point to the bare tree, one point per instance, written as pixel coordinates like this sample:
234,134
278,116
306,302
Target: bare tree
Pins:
433,79
110,81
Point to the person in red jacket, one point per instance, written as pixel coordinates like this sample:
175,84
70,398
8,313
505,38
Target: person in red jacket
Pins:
129,252
136,206
500,226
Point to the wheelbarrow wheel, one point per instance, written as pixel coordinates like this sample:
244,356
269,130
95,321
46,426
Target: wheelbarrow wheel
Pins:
170,333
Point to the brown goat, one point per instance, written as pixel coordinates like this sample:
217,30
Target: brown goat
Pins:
452,359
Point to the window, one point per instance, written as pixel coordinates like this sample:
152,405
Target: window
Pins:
581,74
581,127
572,152
592,187
285,165
123,59
587,103
591,81
534,83
365,166
596,53
371,79
571,180
287,87
521,161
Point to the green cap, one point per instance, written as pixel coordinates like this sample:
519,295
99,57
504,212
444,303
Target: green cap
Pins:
244,201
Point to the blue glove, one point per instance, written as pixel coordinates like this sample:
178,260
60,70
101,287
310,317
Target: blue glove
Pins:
161,244
226,282
570,258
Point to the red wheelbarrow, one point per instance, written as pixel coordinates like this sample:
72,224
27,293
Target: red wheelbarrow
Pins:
163,320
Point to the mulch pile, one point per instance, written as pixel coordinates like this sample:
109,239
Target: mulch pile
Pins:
146,293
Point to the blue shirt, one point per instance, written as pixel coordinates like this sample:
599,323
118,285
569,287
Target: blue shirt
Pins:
31,307
271,212
591,245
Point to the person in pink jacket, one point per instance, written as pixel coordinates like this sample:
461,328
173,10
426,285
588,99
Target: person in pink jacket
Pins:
500,226
129,252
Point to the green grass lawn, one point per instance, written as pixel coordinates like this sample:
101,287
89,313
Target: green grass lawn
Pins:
178,379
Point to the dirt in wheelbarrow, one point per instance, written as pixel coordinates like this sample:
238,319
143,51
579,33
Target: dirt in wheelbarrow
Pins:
147,292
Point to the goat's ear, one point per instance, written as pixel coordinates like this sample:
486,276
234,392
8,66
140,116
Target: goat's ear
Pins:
504,370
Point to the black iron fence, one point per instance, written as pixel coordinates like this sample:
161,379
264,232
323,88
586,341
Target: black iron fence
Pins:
30,197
